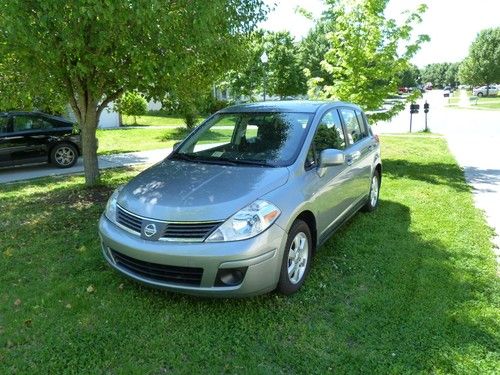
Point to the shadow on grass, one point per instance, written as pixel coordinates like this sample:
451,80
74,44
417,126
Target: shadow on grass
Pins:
379,299
116,151
434,173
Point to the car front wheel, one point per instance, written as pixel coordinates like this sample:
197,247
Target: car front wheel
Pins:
479,94
296,259
64,155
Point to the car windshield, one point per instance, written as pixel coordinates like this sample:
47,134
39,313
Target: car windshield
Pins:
266,139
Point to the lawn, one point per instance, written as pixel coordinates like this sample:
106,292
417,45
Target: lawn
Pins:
488,103
156,120
410,288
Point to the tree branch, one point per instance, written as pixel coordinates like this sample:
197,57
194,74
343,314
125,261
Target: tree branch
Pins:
108,100
72,97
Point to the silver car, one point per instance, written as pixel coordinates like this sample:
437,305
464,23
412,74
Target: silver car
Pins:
241,205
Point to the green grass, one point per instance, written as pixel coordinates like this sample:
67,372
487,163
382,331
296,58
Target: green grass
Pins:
156,120
128,140
410,288
488,103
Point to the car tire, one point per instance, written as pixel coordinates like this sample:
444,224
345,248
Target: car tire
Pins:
373,195
295,266
64,155
480,94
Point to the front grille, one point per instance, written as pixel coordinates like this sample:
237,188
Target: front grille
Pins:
173,230
127,220
196,231
159,272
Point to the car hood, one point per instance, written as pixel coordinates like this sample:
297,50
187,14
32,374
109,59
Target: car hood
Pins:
185,191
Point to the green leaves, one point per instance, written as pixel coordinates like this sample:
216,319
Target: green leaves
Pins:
282,75
94,50
482,65
363,63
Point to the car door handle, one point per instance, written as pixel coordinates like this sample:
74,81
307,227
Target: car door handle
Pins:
352,157
371,147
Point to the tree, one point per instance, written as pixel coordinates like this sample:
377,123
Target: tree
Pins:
19,92
285,74
96,50
482,65
451,75
441,74
132,104
363,59
410,77
247,77
284,71
315,45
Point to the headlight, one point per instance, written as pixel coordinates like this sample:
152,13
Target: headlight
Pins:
110,211
246,223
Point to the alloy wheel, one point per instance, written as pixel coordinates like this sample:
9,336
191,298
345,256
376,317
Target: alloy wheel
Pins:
298,255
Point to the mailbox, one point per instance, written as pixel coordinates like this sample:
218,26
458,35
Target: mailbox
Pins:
414,108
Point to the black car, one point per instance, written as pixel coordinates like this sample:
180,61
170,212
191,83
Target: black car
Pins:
34,137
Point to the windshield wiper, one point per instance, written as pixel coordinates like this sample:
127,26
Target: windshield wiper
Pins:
253,162
186,157
220,160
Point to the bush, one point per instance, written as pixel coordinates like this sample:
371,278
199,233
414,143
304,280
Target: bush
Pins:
213,105
132,104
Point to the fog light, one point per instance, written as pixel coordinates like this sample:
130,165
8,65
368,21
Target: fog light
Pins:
230,276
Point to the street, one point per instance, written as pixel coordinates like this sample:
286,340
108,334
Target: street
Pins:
474,139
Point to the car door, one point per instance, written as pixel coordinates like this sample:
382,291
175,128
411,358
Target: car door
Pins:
359,152
331,185
28,139
4,140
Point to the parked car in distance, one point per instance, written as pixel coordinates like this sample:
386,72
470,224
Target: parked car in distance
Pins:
35,137
403,90
241,205
485,90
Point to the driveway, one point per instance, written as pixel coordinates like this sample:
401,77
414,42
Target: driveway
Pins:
474,139
106,161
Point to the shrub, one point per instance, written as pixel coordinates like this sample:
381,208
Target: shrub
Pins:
132,104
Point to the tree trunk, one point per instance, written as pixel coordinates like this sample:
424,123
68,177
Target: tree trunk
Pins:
89,145
88,110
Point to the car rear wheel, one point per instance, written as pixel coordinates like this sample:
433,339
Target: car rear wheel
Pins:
296,259
64,155
372,202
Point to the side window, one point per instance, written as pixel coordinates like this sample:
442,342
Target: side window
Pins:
329,133
25,123
4,124
354,130
362,123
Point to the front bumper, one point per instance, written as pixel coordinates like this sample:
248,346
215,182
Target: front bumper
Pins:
261,256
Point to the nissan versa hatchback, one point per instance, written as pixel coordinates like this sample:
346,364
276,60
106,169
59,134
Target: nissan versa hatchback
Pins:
241,205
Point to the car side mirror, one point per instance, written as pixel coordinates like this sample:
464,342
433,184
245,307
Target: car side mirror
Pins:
331,157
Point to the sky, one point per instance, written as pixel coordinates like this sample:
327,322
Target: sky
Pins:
451,24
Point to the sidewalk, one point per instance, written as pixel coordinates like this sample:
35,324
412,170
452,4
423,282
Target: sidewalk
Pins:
105,161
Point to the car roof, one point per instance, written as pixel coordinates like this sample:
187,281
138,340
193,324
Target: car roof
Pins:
36,113
303,106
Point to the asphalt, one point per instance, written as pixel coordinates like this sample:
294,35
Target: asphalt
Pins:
473,138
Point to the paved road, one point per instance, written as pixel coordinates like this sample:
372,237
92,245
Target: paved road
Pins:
474,139
107,161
